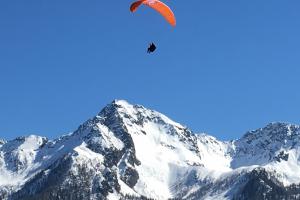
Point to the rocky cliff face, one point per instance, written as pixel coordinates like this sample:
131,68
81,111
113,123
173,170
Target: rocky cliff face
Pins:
130,152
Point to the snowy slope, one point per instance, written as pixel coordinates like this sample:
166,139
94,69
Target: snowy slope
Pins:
275,147
158,143
130,152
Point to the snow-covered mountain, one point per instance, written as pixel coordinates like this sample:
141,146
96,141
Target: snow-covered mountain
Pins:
130,152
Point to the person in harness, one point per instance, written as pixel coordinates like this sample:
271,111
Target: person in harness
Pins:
151,48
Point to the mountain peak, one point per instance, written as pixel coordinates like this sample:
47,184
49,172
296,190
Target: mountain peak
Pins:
120,102
274,131
266,145
276,125
130,113
25,142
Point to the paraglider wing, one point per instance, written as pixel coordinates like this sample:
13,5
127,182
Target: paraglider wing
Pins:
159,6
163,9
134,6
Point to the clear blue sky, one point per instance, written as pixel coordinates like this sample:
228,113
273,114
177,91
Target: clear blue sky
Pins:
228,66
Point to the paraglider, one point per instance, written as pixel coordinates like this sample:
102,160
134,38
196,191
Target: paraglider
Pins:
157,5
161,8
151,48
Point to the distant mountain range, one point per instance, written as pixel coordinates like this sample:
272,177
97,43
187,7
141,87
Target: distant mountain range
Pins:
130,152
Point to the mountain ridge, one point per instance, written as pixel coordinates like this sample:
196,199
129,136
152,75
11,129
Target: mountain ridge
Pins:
130,152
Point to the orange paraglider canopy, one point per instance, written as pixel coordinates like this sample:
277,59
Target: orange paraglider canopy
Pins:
157,5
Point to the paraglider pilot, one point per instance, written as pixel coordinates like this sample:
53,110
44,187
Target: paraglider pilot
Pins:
151,48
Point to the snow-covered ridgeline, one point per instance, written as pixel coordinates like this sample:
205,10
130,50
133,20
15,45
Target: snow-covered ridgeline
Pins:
130,150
